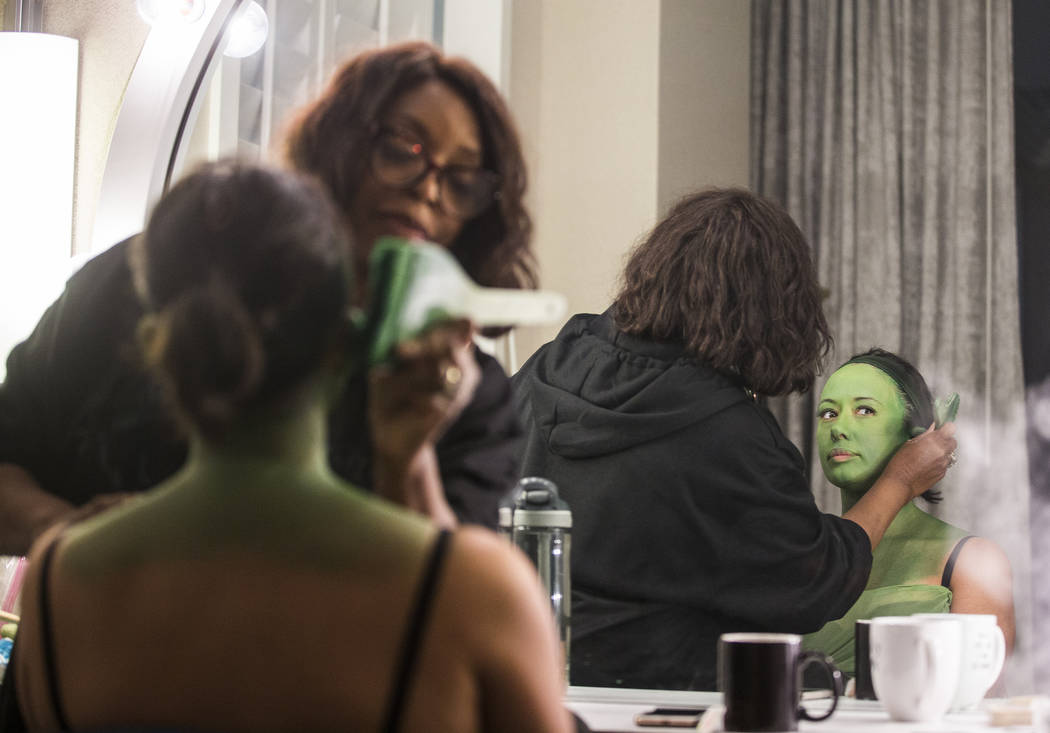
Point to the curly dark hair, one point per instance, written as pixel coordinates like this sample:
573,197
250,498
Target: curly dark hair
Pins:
329,139
729,274
245,279
914,393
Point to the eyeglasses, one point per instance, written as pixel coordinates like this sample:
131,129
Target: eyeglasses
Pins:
400,160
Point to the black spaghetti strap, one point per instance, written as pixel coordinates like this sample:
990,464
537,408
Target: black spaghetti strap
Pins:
949,567
48,637
11,718
416,622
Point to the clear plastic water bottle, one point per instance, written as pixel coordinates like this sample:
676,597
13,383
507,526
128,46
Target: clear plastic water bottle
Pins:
543,530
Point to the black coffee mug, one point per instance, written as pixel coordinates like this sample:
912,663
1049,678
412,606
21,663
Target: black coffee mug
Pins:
760,679
862,686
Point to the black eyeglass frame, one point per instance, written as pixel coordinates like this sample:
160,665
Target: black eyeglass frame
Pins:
491,178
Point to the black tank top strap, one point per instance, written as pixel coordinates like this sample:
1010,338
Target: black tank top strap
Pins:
414,633
949,567
47,634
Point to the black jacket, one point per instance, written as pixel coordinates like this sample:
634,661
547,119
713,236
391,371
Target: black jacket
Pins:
79,413
691,512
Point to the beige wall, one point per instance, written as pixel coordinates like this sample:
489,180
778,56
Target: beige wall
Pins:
111,34
705,51
623,106
583,85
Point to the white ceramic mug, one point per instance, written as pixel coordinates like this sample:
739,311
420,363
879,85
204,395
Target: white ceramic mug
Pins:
915,665
983,654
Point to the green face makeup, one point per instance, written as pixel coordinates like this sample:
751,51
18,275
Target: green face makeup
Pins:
860,425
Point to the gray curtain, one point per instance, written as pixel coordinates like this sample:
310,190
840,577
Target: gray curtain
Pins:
886,129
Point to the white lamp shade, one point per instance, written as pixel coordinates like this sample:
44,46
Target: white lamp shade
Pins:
38,99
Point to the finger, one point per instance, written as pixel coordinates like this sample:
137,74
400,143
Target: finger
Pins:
947,430
918,432
460,329
457,335
430,346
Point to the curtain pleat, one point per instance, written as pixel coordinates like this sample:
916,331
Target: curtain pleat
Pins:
886,129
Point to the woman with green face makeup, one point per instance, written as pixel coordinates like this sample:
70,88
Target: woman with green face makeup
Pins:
869,408
692,513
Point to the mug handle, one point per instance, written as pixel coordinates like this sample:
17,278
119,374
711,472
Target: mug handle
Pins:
814,657
1000,657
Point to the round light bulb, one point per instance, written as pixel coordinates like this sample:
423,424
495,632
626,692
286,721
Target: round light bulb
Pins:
157,12
247,32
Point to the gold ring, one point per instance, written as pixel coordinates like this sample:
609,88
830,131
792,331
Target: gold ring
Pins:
451,376
952,459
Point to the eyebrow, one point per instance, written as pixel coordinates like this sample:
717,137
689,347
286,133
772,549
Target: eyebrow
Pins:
835,402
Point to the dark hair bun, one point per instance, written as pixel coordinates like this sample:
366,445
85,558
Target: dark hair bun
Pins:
246,270
212,353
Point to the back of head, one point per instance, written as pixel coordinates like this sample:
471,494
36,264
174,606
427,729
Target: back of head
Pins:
244,273
728,274
330,139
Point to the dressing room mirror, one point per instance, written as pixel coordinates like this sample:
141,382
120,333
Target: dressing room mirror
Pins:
623,107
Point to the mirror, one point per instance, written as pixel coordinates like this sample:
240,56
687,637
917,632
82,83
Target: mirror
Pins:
247,99
622,107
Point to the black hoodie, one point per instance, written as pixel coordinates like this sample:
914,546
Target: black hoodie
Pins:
692,515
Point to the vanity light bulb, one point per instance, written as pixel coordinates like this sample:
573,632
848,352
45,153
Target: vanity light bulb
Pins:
247,32
166,12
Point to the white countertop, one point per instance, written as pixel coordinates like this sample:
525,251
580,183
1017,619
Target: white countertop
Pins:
613,711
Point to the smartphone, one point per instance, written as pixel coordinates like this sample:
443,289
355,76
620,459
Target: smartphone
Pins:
669,717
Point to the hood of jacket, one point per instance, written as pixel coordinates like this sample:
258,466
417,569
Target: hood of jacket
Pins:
594,390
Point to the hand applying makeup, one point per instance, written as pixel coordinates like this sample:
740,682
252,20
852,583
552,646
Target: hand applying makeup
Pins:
412,400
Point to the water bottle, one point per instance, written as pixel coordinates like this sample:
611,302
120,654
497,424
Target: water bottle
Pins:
505,509
543,530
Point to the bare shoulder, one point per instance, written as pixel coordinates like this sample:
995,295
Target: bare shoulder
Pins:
509,628
982,582
497,572
981,556
500,602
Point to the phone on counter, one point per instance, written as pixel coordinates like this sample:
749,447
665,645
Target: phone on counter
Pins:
669,717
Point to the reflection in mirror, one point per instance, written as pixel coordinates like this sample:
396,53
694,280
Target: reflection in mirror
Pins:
620,123
248,98
931,265
887,132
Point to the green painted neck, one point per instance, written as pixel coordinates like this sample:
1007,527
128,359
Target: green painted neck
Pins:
264,448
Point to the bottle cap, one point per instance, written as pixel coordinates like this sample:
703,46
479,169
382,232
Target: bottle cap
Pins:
543,518
537,504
